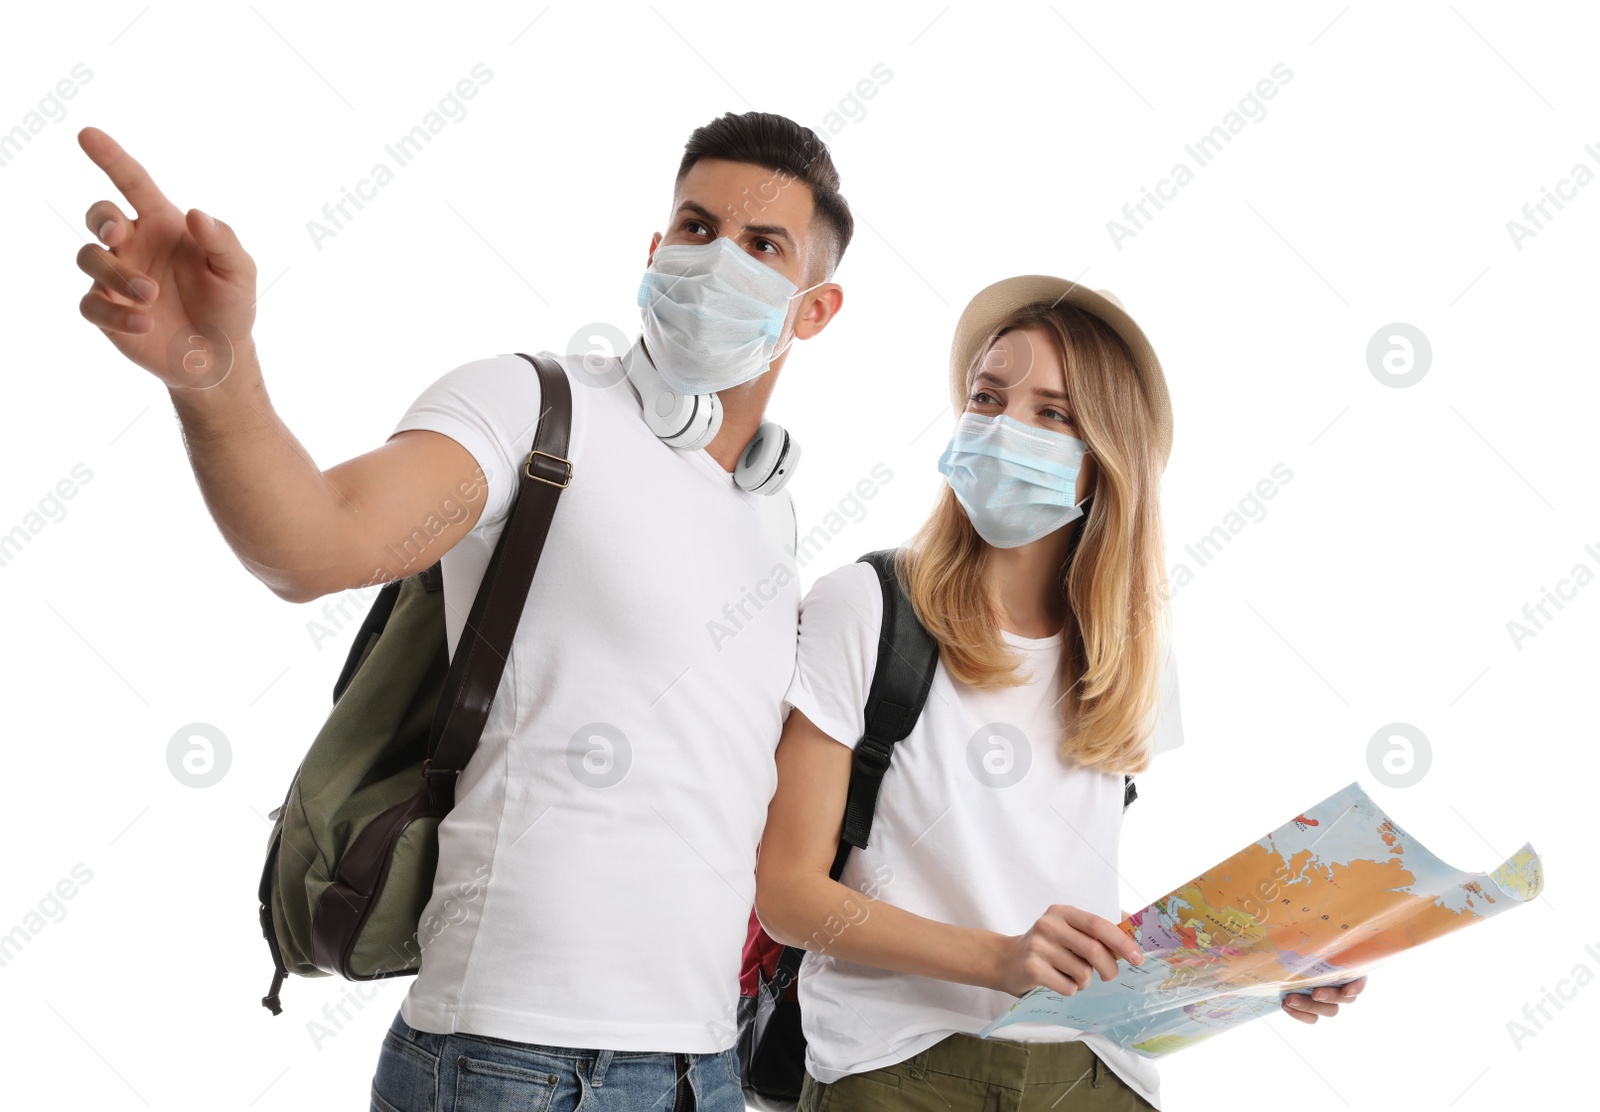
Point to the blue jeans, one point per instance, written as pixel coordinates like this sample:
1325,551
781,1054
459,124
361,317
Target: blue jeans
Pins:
419,1071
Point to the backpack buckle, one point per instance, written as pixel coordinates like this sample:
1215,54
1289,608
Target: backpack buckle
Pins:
566,479
428,770
872,755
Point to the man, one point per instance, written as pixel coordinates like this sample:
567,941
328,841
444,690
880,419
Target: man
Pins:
618,793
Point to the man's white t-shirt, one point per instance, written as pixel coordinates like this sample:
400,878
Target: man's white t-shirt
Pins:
620,787
979,823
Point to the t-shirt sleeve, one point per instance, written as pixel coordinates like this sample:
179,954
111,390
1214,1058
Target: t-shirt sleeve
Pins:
1169,721
838,651
491,408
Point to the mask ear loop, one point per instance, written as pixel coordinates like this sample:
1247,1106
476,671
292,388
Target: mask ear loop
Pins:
790,344
1083,524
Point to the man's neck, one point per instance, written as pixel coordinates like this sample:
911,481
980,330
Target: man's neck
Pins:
744,407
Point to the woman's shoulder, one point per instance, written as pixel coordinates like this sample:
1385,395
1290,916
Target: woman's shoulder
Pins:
838,650
847,595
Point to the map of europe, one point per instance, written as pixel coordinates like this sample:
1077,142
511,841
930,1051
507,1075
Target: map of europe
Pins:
1327,896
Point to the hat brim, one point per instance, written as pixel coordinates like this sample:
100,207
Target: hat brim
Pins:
995,302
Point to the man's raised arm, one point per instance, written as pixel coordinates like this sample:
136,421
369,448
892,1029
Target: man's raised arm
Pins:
174,292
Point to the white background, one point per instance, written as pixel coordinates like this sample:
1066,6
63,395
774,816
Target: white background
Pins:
1376,589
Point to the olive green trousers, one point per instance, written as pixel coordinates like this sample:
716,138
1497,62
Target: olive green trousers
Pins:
964,1073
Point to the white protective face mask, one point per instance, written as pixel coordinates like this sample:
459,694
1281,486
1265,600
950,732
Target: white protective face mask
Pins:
712,315
1016,482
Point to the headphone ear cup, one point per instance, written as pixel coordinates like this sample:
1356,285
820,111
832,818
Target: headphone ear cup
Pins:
703,425
786,466
690,421
687,421
768,460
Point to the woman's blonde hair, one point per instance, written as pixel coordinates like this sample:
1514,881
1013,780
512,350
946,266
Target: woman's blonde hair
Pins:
1115,627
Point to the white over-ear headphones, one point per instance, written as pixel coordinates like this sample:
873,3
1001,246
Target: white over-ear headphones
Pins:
768,460
691,421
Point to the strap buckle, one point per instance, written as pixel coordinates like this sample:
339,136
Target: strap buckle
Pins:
566,479
428,770
872,755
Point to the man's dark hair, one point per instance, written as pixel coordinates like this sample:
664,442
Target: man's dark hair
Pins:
784,147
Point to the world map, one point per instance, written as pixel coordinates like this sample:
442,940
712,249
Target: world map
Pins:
1329,895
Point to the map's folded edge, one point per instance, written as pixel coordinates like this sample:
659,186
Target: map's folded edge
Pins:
1147,1014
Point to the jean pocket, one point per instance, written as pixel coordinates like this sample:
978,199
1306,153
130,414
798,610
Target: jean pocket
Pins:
414,1055
487,1086
715,1078
407,1077
731,1058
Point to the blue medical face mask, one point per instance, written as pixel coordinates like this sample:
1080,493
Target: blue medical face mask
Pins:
1016,482
713,315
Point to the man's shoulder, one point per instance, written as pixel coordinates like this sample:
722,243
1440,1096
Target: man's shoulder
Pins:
504,390
505,378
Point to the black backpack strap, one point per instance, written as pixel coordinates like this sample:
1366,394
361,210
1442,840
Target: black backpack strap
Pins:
480,657
908,656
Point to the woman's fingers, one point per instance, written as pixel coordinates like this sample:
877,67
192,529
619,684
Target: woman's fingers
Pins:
1072,962
1067,946
1073,953
1345,992
1105,931
109,224
98,309
1055,972
1334,995
1094,952
1097,939
1306,1009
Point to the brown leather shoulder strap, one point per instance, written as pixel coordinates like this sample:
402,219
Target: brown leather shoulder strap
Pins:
480,657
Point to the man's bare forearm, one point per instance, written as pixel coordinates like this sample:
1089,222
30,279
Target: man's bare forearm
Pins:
274,506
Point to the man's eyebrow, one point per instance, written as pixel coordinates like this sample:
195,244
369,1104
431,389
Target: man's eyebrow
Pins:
701,211
775,231
995,381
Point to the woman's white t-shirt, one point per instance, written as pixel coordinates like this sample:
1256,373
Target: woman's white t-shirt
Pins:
979,822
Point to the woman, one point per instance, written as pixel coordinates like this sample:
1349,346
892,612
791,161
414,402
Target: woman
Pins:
1005,801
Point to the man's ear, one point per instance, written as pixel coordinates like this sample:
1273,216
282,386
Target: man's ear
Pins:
655,241
817,308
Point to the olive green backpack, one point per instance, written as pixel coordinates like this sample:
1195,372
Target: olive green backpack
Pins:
350,861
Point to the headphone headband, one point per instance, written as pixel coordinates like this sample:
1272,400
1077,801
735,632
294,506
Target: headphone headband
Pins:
692,421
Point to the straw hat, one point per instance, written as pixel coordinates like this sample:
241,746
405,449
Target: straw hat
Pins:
994,303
